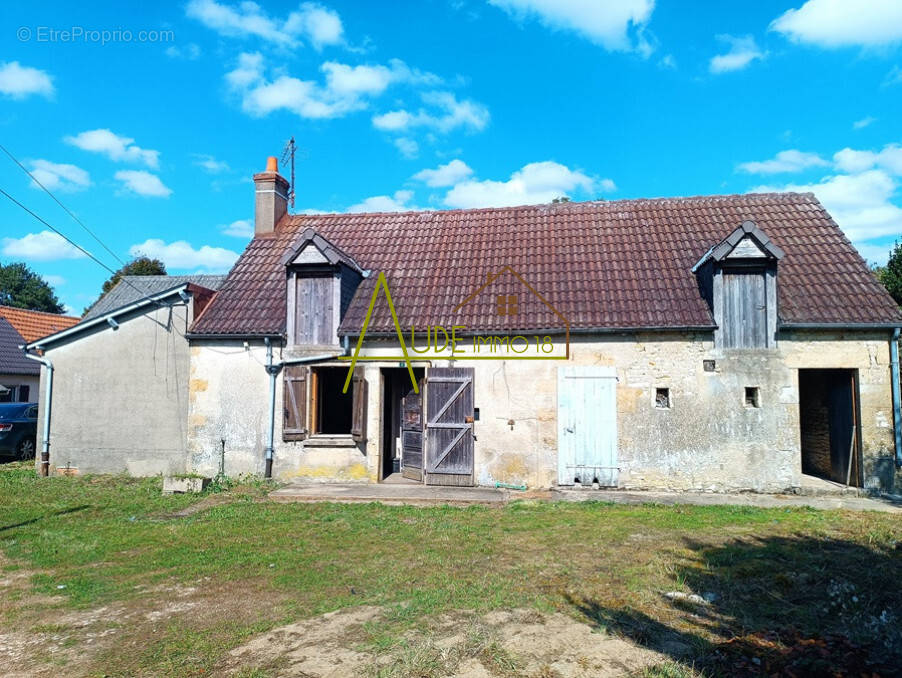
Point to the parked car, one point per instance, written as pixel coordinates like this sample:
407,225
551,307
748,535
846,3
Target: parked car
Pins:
18,429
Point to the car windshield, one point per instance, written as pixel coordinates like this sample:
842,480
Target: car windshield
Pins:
14,410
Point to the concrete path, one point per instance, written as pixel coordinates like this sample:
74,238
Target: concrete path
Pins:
415,493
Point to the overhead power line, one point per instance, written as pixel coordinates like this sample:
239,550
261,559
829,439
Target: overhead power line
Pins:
58,202
144,295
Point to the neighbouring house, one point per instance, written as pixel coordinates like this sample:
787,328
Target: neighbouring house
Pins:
19,376
715,343
119,392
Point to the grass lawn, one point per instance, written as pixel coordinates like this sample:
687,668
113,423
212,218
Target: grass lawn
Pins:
123,581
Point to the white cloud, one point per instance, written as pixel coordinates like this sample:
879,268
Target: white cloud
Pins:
19,82
210,164
535,183
43,246
55,280
399,202
115,147
785,161
191,52
841,23
874,254
448,114
743,51
311,21
889,159
321,26
407,147
242,228
894,77
143,183
445,175
864,122
345,88
860,203
181,255
667,62
613,24
57,176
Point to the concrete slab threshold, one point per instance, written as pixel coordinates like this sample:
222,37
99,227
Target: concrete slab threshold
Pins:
418,494
391,493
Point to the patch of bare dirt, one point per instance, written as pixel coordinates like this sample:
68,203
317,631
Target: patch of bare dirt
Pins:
514,644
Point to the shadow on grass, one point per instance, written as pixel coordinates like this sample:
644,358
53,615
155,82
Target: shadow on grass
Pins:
52,514
786,606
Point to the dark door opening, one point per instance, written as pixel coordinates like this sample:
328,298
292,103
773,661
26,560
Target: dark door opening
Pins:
396,392
828,418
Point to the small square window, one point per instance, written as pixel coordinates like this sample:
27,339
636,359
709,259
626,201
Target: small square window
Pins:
662,398
709,365
752,396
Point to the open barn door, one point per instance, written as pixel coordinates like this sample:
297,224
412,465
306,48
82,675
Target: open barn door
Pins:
449,426
412,434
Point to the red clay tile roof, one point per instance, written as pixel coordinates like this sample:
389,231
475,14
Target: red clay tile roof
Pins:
619,264
36,324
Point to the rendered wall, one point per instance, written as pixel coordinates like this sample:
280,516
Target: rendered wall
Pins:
120,397
709,439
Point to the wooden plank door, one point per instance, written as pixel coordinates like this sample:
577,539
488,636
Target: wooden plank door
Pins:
745,309
449,426
587,425
412,434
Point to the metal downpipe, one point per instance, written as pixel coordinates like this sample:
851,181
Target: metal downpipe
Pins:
48,399
897,399
272,371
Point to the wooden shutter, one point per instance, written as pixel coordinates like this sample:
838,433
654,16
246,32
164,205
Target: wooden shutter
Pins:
358,421
294,402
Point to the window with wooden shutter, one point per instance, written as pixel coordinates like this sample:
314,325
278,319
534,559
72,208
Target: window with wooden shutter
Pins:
294,401
358,422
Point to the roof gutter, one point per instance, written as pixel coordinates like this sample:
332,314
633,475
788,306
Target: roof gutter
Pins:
561,330
838,326
896,386
48,400
104,319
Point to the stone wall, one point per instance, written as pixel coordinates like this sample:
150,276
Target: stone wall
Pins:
709,439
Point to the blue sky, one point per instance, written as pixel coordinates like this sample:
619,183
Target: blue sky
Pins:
151,132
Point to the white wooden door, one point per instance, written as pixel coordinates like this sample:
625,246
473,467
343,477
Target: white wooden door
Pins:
587,425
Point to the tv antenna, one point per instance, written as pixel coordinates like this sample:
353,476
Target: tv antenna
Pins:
288,155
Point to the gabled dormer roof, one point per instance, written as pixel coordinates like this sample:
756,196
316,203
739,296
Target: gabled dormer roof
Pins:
747,241
323,252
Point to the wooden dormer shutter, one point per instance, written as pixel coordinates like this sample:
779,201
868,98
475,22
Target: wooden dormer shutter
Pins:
294,402
358,420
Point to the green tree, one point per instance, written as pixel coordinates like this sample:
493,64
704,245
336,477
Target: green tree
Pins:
23,288
140,265
891,274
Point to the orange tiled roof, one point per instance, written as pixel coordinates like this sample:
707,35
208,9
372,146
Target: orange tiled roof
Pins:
33,325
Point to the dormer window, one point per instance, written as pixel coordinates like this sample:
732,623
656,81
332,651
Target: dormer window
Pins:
321,280
739,279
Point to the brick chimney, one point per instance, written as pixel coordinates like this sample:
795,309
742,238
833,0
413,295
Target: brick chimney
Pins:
271,198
